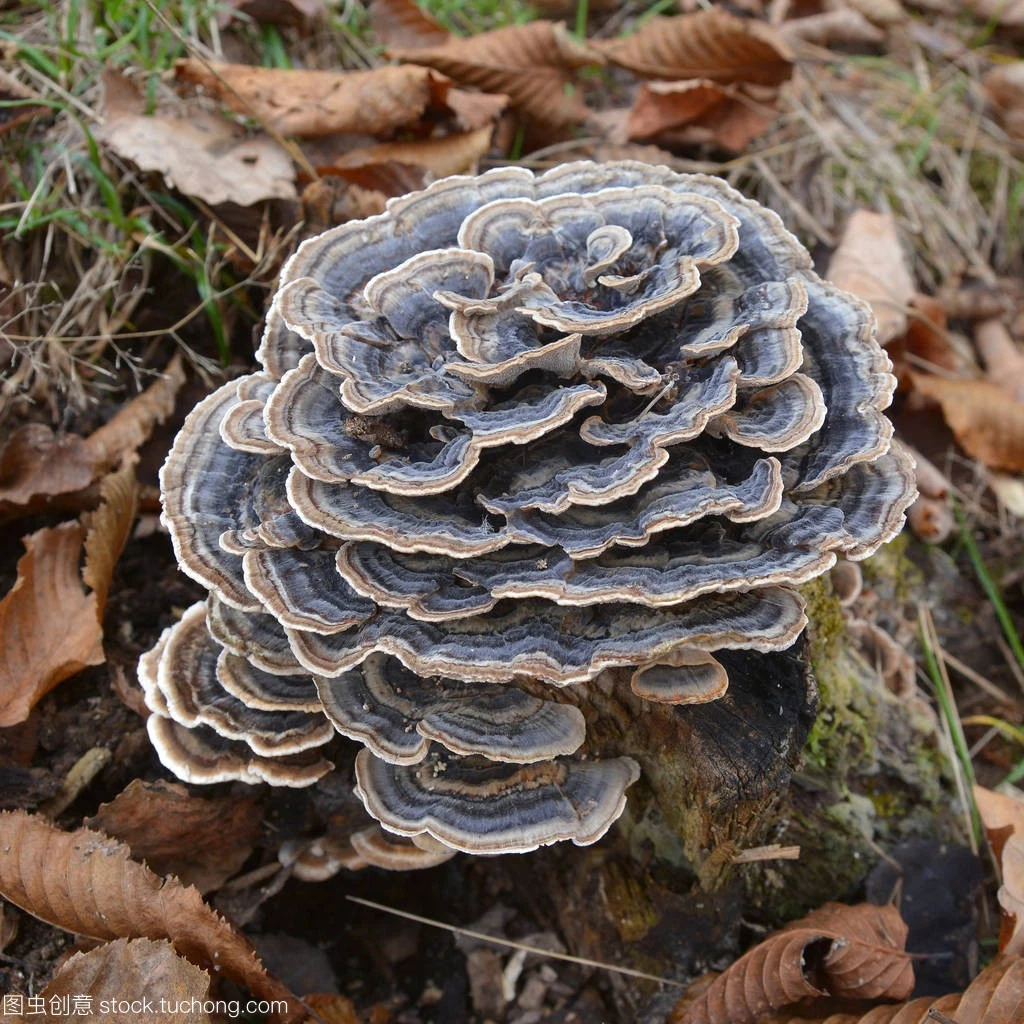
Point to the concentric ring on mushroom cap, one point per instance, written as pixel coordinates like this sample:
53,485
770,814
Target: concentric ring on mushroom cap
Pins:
514,428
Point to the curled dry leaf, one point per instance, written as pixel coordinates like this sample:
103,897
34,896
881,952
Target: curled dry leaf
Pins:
528,63
104,894
37,467
727,115
453,154
842,25
303,102
869,262
996,996
853,952
202,841
1003,818
39,470
987,422
402,23
706,44
107,529
49,623
195,151
136,969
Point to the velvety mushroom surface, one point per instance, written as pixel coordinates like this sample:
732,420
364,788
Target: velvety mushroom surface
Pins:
510,434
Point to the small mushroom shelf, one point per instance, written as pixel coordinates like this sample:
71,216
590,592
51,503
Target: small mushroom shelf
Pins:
511,434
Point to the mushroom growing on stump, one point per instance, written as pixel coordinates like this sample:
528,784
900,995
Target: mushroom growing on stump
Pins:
515,441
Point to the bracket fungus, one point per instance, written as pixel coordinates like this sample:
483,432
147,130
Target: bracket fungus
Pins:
511,434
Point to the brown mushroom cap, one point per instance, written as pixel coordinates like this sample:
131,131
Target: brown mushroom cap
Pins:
512,433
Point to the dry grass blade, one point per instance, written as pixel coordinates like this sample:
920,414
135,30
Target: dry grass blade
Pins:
311,103
132,970
852,952
403,23
706,44
987,422
529,63
50,625
104,894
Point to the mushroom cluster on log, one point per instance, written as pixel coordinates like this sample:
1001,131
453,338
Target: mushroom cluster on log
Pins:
510,434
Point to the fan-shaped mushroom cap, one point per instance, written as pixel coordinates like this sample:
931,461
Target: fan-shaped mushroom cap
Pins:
397,714
511,433
480,806
395,853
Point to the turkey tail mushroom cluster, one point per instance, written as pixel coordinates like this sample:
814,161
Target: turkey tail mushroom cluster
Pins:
512,433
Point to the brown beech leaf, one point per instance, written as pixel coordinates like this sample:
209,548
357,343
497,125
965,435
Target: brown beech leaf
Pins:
996,996
196,152
36,467
841,25
729,116
201,840
49,624
869,262
528,63
38,470
1003,358
706,44
401,23
453,154
838,950
1003,818
107,529
103,894
987,422
303,102
141,974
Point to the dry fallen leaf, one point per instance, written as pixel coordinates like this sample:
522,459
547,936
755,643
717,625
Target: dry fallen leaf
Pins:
706,44
128,971
528,63
202,841
453,154
302,102
21,108
402,23
1003,818
842,25
1003,359
1004,13
996,996
846,951
36,467
196,152
729,116
103,894
50,625
39,470
1004,87
869,262
987,422
107,529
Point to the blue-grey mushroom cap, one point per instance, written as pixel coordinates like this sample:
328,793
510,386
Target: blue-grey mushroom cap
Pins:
514,433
